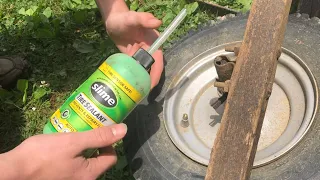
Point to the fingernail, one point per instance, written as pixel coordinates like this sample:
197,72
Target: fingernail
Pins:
119,129
114,131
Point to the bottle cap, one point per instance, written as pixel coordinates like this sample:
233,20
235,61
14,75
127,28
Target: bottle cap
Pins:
144,58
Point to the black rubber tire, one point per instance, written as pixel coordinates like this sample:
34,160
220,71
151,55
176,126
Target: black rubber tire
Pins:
150,151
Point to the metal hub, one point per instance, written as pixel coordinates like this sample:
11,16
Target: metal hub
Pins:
192,123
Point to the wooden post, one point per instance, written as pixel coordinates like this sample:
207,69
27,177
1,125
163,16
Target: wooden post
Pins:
251,85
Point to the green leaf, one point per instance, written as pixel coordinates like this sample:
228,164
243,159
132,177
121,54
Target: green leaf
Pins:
182,3
22,11
9,22
93,3
29,12
43,19
134,5
39,93
56,23
159,2
22,86
34,22
83,47
192,7
246,4
34,8
121,162
47,12
168,18
24,98
44,33
5,94
77,1
80,16
141,9
68,4
196,19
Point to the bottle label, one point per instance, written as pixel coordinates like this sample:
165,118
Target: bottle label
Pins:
89,112
61,124
105,98
120,82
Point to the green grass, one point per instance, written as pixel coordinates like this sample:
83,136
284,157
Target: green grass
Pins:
64,41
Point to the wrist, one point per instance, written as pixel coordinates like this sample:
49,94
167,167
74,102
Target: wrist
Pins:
9,169
13,167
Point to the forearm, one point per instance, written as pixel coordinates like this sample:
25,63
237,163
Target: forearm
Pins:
108,7
9,168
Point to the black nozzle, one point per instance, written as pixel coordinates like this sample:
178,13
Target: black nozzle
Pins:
144,58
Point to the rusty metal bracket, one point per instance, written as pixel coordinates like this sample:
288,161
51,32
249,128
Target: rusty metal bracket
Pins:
233,48
224,68
224,85
224,64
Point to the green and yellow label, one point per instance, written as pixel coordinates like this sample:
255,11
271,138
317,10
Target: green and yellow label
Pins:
120,82
89,112
60,124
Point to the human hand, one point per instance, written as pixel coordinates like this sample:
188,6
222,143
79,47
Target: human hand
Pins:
132,30
59,156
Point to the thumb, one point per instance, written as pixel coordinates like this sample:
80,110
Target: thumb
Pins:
144,19
101,137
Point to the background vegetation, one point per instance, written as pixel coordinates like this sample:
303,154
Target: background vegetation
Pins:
64,41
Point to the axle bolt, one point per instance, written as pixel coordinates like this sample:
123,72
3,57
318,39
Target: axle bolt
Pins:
184,122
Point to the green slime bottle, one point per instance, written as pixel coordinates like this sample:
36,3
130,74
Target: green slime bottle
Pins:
107,96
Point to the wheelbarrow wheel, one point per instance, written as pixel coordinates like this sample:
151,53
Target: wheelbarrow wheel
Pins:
157,151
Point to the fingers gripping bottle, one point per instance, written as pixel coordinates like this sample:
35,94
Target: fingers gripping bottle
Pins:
111,92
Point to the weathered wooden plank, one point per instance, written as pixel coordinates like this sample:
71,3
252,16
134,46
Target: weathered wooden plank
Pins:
251,84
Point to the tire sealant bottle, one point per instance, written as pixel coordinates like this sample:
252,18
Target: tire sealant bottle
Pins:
111,92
